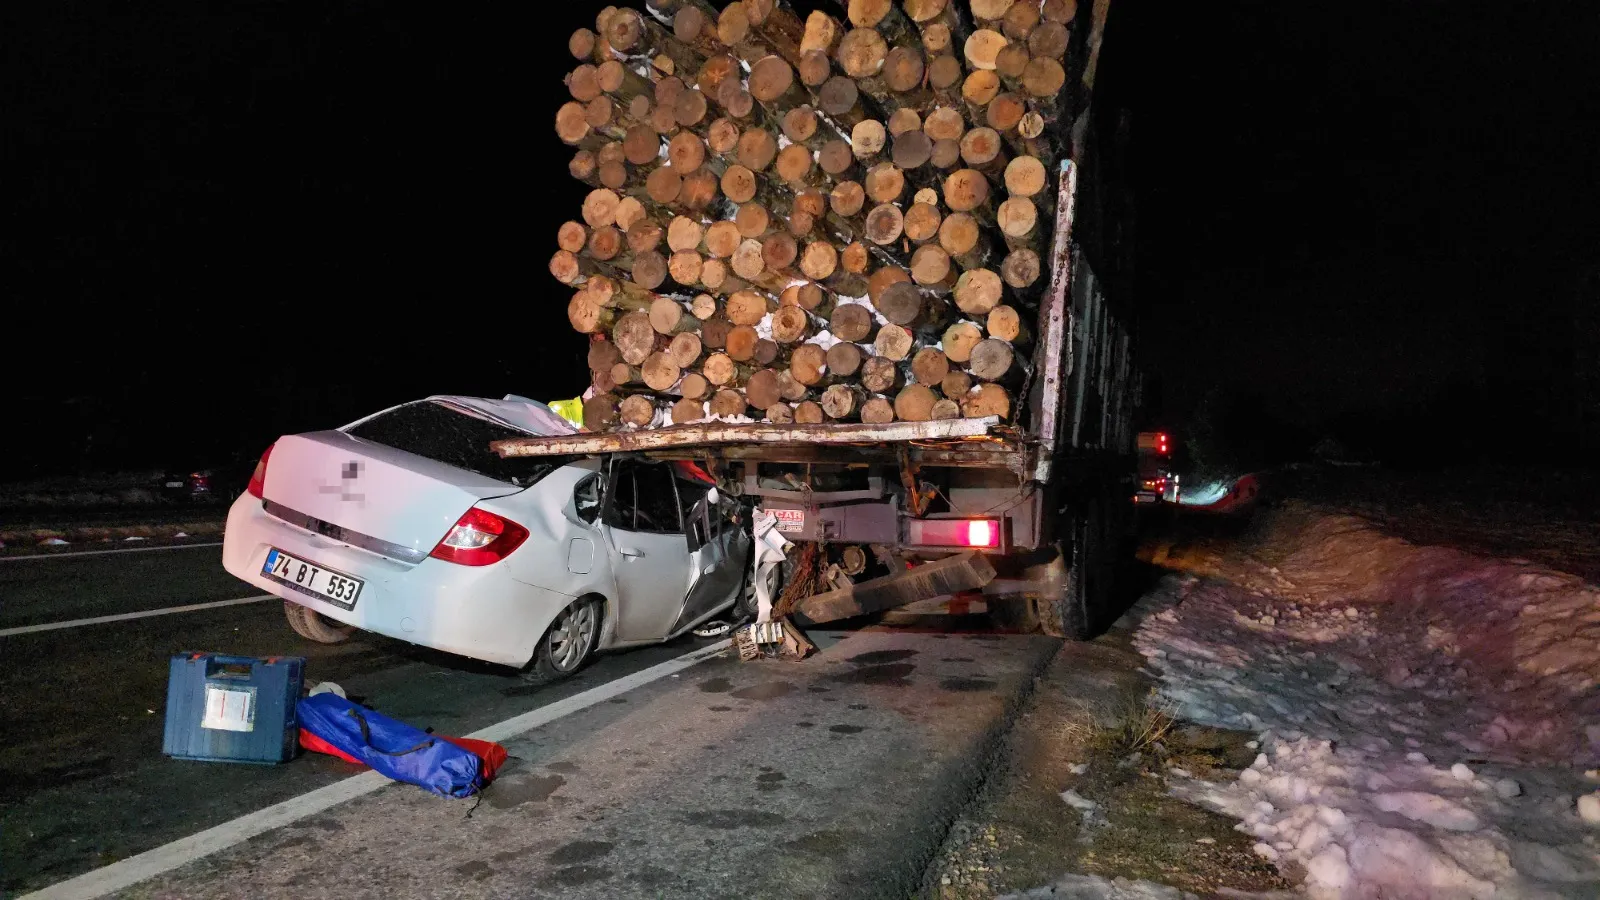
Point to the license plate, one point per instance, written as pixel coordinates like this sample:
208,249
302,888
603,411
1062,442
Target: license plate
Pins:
790,521
313,579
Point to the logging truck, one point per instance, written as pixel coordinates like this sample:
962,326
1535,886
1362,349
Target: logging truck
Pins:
847,267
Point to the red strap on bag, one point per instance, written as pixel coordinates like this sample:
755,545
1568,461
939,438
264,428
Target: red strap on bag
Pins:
493,755
315,744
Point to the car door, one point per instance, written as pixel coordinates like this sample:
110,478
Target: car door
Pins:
643,527
718,554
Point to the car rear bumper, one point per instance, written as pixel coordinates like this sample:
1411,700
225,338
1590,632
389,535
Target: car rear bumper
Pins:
480,612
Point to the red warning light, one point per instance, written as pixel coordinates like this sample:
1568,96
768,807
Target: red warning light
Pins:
981,533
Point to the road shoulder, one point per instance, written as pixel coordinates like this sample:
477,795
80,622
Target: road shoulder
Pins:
837,776
1081,787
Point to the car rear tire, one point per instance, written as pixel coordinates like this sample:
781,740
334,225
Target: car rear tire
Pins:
313,626
568,643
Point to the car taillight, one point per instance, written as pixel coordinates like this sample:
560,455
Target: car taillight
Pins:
257,487
479,538
981,533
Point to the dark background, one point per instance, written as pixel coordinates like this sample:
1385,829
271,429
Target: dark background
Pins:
1370,222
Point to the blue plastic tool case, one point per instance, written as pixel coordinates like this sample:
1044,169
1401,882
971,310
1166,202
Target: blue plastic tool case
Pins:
233,708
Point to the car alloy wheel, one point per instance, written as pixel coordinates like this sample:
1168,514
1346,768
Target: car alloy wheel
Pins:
571,636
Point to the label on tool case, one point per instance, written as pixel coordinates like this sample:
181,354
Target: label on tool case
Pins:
790,521
230,709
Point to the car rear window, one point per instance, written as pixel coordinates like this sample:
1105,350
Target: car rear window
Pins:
440,433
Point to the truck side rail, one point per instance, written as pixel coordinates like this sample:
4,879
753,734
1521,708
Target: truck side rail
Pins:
712,434
1053,367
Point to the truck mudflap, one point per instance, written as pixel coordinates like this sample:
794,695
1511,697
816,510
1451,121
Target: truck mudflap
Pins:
966,571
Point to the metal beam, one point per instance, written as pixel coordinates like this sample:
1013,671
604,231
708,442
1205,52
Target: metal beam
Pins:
966,571
717,433
1004,455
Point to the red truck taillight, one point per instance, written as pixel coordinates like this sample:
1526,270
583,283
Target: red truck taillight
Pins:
983,534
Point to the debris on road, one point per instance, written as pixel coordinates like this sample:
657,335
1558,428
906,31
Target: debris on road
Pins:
775,639
326,687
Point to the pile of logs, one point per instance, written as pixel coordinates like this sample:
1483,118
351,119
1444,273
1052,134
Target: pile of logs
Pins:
839,218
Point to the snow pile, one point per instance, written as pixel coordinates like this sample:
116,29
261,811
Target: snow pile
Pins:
1425,714
1091,887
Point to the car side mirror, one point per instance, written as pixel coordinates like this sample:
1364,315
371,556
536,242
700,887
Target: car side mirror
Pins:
712,497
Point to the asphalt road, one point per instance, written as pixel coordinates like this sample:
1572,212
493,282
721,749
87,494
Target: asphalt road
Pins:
111,516
834,776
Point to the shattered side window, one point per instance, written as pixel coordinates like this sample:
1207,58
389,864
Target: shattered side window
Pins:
619,506
658,500
586,498
689,493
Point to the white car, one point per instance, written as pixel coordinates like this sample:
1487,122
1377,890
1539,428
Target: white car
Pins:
405,523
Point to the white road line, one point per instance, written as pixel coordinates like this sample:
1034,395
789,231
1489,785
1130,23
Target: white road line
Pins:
151,863
69,554
544,715
124,617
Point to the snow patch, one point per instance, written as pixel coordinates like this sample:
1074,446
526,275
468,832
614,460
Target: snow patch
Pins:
1360,660
1092,887
1589,808
1077,801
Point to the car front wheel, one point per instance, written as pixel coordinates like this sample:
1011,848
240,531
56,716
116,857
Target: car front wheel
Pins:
568,643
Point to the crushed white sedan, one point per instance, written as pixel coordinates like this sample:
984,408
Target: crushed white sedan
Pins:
406,524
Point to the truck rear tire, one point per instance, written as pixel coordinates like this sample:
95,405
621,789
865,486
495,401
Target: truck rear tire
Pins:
1079,570
1063,614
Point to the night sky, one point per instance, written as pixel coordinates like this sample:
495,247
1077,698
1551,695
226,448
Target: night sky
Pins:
232,221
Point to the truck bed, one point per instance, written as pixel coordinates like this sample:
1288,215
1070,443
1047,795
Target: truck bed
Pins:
947,442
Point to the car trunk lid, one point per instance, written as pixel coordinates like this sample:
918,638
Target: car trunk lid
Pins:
374,490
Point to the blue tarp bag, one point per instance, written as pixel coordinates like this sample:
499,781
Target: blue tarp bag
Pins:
394,748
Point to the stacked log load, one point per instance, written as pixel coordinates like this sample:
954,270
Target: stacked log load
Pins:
840,218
